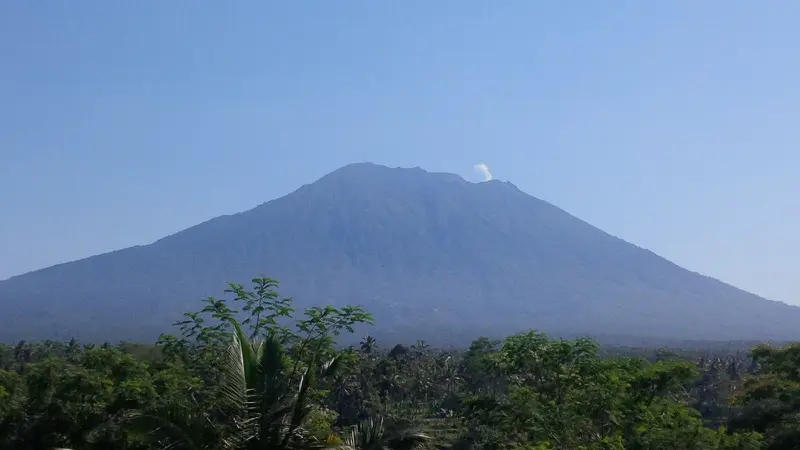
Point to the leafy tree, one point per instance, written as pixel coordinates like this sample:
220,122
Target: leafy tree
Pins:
771,398
246,372
262,388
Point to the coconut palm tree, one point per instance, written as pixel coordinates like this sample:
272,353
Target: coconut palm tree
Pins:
368,345
262,403
371,434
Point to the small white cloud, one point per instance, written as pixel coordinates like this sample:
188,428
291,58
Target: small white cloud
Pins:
483,169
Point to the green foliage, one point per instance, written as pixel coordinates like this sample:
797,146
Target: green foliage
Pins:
561,395
245,373
260,385
771,397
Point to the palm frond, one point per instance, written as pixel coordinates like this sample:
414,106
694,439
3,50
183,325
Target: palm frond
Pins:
371,434
169,427
330,367
233,386
249,355
367,435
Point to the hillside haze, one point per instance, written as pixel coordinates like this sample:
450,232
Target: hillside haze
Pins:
430,255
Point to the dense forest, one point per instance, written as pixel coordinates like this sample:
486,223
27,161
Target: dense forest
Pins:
248,372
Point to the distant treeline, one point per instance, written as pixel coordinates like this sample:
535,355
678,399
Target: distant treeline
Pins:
236,375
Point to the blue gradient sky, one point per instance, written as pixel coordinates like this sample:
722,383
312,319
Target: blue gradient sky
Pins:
670,124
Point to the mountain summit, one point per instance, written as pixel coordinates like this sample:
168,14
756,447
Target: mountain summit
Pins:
426,253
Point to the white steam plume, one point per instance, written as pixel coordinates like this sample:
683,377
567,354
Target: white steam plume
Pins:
483,169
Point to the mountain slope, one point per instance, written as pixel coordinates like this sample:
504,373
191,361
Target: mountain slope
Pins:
426,253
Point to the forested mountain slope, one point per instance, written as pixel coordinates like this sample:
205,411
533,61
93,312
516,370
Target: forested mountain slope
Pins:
430,255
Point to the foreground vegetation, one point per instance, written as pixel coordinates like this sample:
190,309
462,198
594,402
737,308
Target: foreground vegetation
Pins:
274,381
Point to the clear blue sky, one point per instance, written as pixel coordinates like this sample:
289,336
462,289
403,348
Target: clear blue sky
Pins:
673,125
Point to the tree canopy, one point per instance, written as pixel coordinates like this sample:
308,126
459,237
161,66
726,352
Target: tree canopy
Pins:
248,372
